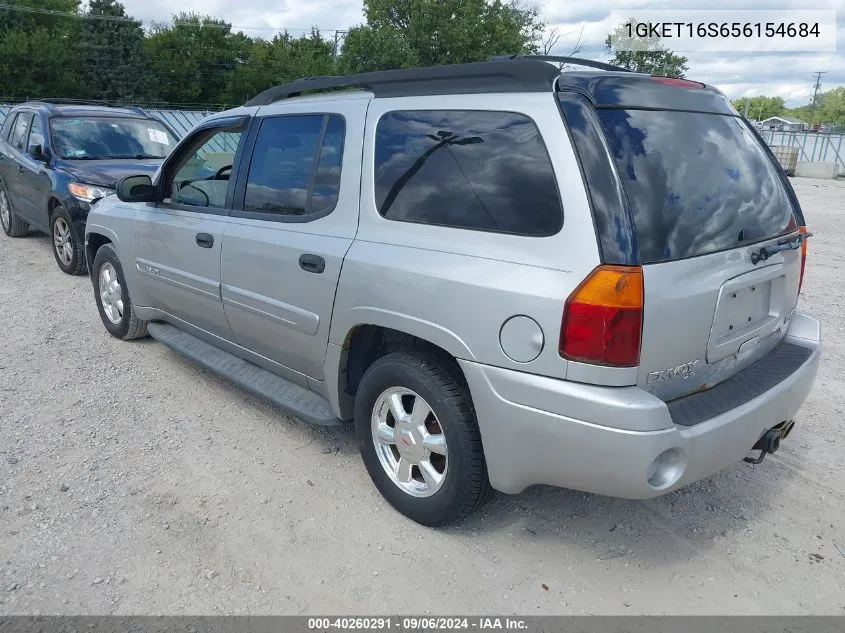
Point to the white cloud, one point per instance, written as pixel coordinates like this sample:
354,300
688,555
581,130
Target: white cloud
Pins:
789,75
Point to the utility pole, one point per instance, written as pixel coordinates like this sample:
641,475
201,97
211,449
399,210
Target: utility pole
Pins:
818,85
814,103
336,43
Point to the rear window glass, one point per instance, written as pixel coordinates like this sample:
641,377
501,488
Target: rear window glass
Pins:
486,171
697,183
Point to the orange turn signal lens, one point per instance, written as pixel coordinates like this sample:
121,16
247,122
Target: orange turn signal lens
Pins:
612,287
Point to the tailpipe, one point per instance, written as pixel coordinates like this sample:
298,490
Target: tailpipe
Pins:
770,442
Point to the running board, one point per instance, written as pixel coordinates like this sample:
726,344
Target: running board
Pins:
301,402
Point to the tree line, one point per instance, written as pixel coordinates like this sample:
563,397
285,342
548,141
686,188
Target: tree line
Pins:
58,48
829,108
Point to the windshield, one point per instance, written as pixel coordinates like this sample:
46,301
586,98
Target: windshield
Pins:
109,137
697,183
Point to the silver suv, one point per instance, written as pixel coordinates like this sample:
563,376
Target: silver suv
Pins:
505,274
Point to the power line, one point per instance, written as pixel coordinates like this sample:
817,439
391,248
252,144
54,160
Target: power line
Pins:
64,14
117,18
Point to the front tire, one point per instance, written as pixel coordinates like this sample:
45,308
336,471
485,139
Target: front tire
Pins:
112,296
419,439
67,247
12,225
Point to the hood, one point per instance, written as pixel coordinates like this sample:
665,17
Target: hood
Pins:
106,173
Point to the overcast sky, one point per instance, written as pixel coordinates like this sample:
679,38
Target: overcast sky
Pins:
789,75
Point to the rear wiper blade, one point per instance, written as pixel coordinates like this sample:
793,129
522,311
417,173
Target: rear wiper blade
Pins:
784,245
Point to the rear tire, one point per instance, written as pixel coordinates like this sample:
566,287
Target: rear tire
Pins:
67,247
12,225
444,476
112,297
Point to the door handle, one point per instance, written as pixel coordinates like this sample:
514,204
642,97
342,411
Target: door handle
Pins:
205,240
312,263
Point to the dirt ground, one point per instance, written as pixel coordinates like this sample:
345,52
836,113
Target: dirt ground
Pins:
132,482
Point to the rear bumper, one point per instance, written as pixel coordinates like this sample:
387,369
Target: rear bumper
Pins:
605,440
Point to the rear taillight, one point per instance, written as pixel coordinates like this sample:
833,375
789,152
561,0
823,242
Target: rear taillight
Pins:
603,318
802,229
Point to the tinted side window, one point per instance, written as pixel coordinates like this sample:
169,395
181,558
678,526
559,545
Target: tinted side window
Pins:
295,166
7,127
327,177
20,130
202,178
486,171
36,134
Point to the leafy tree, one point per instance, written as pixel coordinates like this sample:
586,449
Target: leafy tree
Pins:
409,33
832,106
37,49
829,109
760,108
34,64
34,15
192,59
643,54
279,60
112,66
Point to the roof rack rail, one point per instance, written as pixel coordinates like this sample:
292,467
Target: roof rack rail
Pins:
575,61
62,101
510,75
88,102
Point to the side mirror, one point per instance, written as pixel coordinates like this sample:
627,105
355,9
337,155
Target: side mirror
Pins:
37,153
136,189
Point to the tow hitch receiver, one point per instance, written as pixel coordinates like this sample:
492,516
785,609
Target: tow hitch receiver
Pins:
770,442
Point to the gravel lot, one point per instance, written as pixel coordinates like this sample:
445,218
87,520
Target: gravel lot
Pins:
132,482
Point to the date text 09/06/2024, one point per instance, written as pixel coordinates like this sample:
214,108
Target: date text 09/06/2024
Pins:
408,623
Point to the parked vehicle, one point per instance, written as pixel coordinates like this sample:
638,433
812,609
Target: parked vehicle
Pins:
58,159
505,274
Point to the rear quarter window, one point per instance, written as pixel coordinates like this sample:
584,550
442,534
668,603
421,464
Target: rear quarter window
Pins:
696,183
485,171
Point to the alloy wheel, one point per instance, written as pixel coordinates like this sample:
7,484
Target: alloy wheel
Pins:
5,210
63,241
111,294
409,442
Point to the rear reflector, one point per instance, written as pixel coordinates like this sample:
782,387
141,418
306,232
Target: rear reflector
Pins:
603,318
674,81
802,229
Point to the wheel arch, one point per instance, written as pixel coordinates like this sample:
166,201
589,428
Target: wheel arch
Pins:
52,202
363,345
94,240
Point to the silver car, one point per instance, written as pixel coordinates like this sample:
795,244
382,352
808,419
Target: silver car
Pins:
505,274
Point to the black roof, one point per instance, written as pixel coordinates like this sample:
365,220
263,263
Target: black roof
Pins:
604,84
635,90
502,75
72,107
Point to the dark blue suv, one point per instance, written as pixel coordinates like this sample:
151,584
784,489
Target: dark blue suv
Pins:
57,159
